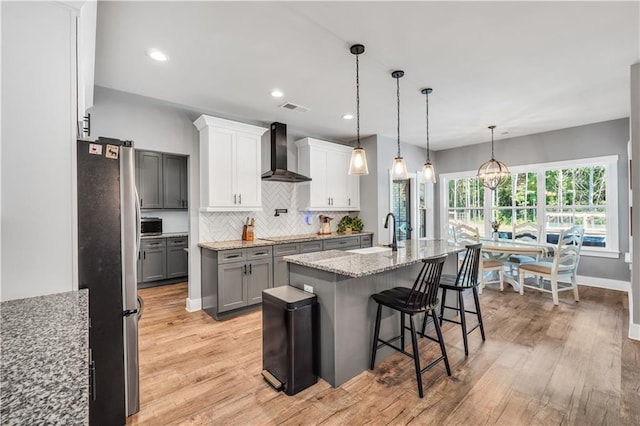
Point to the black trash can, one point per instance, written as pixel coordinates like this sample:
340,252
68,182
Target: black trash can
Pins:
289,338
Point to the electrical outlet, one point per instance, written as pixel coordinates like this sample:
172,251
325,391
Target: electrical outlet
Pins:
308,288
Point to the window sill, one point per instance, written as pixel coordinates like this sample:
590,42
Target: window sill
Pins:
600,253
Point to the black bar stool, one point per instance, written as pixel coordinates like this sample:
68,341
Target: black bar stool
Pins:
466,279
421,298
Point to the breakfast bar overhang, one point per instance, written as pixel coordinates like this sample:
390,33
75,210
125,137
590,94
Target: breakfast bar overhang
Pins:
344,283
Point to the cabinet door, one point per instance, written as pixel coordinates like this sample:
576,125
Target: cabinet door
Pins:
336,177
177,263
221,164
259,277
353,192
174,176
247,170
154,266
319,197
280,272
232,293
149,174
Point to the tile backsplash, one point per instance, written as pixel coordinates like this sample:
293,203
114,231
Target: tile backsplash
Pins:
222,226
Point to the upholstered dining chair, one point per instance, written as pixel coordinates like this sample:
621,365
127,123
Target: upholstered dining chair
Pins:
563,266
465,235
524,232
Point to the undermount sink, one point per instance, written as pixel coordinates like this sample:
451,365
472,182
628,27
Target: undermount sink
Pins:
368,250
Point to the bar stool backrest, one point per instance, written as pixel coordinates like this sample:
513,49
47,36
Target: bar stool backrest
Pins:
468,271
424,292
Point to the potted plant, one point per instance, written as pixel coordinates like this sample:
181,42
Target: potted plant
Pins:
348,225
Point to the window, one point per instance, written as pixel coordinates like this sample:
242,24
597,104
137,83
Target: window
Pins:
555,195
577,196
516,201
466,202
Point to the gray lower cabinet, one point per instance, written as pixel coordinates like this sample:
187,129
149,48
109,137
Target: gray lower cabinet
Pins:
154,253
162,259
234,279
344,243
177,259
366,241
280,266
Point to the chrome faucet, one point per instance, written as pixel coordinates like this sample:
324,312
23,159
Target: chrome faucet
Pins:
394,241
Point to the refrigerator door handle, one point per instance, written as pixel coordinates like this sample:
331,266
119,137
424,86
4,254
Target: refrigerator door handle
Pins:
138,220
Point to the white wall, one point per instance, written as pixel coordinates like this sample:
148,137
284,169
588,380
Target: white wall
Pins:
38,140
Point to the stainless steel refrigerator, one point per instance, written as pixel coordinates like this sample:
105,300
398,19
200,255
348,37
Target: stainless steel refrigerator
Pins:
108,242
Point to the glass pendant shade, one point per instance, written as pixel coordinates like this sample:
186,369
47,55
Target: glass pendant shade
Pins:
428,173
358,164
493,173
399,170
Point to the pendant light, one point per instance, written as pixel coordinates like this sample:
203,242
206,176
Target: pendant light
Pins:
493,173
399,169
358,163
427,170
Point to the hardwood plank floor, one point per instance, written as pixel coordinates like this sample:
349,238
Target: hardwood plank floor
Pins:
540,364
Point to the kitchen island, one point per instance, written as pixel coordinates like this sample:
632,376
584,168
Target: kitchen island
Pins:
344,283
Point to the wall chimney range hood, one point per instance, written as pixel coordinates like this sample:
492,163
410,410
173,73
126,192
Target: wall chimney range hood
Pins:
279,172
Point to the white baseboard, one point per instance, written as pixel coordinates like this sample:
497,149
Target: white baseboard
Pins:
634,331
194,305
604,283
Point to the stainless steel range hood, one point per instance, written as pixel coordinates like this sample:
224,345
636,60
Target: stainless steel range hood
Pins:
279,172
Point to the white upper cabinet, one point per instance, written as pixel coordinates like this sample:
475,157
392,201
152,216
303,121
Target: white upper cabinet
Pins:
331,187
229,165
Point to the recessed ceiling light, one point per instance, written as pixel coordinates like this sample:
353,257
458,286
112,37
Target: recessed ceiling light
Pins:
277,93
348,116
157,55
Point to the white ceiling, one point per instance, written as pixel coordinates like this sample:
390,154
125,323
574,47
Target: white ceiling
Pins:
527,67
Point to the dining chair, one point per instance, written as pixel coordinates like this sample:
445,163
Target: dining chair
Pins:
564,265
528,232
464,235
422,298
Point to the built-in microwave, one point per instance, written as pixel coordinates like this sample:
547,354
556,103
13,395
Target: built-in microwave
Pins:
151,226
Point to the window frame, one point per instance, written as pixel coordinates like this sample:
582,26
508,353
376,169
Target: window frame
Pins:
609,162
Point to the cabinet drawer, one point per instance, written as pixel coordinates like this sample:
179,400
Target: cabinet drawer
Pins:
365,241
228,256
259,253
286,249
310,246
342,243
177,242
154,243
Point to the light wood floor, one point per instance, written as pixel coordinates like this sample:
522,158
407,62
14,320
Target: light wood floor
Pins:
540,364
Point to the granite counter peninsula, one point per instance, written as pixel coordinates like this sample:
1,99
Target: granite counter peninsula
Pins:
344,283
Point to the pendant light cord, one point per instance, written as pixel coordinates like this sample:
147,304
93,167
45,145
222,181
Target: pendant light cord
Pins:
427,120
357,101
398,98
492,156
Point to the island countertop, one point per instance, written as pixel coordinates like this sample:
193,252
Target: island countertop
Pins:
358,265
45,355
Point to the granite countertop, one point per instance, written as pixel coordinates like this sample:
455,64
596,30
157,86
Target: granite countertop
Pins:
269,241
165,235
45,354
234,244
360,265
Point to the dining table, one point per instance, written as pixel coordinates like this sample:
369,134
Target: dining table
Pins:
503,249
